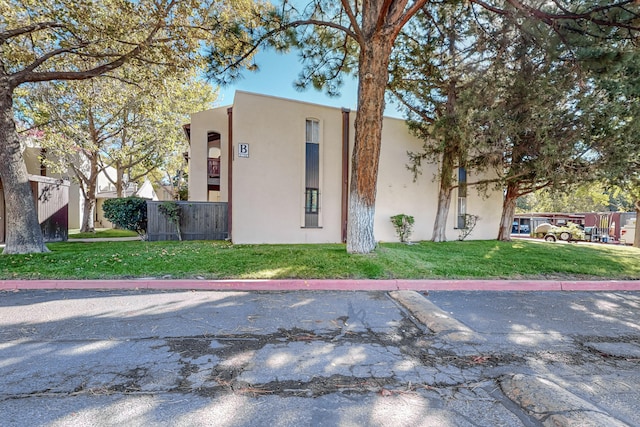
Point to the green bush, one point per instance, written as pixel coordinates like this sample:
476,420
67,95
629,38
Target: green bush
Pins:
403,225
129,213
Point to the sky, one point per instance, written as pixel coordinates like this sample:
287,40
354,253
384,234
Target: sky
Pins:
275,77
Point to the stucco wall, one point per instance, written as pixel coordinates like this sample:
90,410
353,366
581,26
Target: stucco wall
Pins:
397,193
100,220
31,157
268,186
486,204
214,120
75,209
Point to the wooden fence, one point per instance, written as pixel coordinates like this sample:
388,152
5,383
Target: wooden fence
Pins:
52,201
199,221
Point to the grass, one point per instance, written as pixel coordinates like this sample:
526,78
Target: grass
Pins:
101,233
221,260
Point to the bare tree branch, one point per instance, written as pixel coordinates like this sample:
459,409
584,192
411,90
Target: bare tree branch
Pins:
28,75
6,35
412,107
384,11
405,17
357,32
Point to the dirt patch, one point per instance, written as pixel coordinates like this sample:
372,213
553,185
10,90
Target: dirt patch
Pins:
316,387
444,358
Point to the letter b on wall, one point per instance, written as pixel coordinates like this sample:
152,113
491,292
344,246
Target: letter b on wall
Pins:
243,150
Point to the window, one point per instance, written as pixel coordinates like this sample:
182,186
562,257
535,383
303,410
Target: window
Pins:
462,198
312,173
311,201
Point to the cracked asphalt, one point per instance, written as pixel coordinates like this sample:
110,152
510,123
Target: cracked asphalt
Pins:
319,358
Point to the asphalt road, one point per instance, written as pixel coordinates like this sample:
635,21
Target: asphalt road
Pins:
310,358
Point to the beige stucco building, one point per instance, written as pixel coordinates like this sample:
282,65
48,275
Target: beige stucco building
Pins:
283,168
105,189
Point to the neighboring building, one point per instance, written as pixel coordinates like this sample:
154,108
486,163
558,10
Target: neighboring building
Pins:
628,232
165,192
51,197
603,226
282,166
71,197
105,190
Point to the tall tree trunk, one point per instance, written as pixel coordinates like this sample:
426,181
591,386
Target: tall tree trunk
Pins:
444,202
508,212
445,190
88,224
450,155
636,239
23,233
89,203
373,76
119,180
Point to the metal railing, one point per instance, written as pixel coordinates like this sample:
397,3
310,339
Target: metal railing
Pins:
213,167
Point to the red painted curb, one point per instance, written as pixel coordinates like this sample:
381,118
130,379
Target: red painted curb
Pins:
622,285
276,285
328,285
479,285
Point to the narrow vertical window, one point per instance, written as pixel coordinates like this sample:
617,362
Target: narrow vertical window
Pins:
462,198
312,173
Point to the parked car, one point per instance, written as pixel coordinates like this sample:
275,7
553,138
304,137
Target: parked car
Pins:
628,232
517,228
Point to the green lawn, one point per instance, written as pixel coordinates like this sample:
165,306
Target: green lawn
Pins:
220,260
101,233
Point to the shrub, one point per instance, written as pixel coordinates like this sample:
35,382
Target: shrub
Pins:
470,222
129,213
403,225
173,212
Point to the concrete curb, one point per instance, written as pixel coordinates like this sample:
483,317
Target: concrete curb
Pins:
434,318
552,405
327,285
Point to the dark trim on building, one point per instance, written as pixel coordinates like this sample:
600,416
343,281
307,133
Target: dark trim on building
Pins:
187,132
43,164
345,174
230,154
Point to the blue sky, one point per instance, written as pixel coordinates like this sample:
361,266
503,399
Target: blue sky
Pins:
276,75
